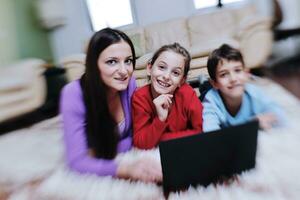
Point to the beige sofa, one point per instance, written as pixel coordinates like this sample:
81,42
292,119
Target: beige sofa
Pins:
22,88
240,27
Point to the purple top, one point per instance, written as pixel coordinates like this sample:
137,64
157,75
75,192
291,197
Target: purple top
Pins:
73,111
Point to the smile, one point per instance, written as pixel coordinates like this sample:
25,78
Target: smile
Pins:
234,86
121,78
163,84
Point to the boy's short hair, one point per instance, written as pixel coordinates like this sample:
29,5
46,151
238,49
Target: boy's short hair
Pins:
224,52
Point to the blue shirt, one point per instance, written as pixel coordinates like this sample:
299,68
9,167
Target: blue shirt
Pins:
216,116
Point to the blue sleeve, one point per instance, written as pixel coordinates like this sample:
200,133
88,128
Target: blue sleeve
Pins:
265,104
211,113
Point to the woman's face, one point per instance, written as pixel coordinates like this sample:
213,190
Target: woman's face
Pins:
116,66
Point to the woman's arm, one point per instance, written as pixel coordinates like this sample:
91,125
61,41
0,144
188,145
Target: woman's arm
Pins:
77,155
126,143
78,158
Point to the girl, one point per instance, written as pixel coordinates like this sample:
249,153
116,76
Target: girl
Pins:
167,108
96,111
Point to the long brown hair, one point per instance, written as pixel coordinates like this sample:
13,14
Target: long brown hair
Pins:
101,129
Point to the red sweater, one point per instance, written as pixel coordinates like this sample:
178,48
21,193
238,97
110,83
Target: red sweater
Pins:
185,117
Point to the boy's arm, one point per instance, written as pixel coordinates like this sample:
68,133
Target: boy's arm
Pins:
266,105
147,130
194,113
211,120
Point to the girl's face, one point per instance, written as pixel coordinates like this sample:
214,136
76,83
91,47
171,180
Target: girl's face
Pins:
167,73
116,66
231,77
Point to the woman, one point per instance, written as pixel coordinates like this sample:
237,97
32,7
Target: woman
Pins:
96,111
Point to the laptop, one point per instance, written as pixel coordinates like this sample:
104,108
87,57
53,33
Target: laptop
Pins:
205,158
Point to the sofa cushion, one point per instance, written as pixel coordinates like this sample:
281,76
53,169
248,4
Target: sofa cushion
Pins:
209,26
141,62
194,73
167,32
141,77
138,39
200,62
203,49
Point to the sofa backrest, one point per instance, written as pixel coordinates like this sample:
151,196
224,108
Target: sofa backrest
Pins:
137,37
159,34
210,26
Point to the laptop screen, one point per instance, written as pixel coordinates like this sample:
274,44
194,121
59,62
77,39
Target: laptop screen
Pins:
205,158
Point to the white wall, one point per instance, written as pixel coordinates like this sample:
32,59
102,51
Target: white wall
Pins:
291,13
8,36
290,10
73,37
151,11
265,7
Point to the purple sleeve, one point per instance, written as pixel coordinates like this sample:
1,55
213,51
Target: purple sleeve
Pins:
125,144
72,110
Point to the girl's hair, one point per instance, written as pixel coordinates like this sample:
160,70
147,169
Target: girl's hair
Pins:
224,52
100,127
177,48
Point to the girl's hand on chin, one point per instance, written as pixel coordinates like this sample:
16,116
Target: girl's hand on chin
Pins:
162,104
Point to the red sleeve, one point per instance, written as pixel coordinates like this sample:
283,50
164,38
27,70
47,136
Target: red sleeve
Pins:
193,108
147,128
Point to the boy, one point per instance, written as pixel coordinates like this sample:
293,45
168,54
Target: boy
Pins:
232,100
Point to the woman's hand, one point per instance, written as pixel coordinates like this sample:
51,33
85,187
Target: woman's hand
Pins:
266,120
162,104
145,169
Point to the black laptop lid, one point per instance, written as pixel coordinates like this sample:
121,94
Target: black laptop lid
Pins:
204,158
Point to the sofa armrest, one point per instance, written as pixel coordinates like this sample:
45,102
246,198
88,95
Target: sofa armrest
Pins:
74,65
24,92
256,38
252,24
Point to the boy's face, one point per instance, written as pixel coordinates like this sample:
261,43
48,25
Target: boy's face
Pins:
167,73
231,77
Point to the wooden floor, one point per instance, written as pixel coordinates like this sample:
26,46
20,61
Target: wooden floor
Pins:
289,81
286,73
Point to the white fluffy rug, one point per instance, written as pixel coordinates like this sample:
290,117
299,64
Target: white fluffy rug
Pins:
32,166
